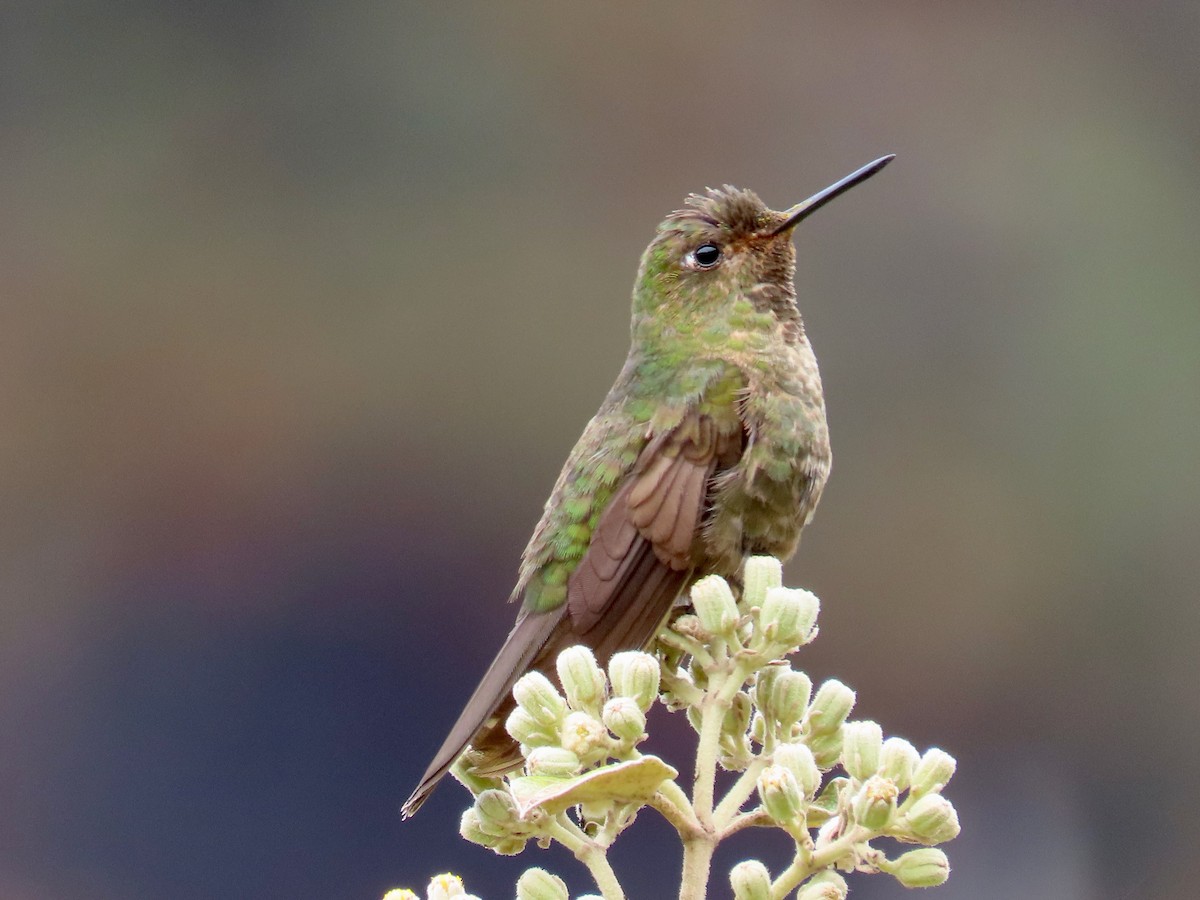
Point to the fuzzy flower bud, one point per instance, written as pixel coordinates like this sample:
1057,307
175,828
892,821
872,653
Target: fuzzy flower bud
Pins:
780,794
932,772
897,760
826,885
758,728
471,827
760,574
714,604
750,881
782,696
764,682
536,695
497,811
553,761
525,729
538,884
737,719
789,698
581,678
400,894
861,746
926,867
799,760
826,748
583,735
445,886
624,718
875,803
789,614
635,675
932,820
830,707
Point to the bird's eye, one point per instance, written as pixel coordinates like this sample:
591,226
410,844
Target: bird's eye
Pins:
706,256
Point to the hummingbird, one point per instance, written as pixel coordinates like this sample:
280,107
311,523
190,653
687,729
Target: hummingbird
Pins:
711,446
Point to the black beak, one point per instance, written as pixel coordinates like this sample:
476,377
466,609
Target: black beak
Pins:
802,210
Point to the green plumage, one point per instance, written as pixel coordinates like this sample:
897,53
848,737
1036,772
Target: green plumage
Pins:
711,446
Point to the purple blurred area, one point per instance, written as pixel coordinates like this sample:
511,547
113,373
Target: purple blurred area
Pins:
302,305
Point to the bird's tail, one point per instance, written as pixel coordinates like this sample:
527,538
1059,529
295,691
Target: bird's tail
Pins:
490,704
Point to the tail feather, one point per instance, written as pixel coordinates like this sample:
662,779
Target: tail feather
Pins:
523,643
638,609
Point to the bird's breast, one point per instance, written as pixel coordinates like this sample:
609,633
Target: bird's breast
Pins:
762,503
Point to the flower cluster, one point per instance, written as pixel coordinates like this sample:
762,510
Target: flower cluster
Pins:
832,784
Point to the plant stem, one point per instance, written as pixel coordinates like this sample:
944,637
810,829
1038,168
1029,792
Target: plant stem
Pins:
738,794
697,860
806,862
757,817
711,716
684,822
590,854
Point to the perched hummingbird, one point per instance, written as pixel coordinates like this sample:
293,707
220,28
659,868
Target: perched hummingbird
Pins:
712,446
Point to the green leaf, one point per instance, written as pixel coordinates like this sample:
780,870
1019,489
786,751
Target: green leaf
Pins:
635,781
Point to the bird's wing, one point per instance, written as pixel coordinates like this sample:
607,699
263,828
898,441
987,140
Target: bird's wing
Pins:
645,545
648,538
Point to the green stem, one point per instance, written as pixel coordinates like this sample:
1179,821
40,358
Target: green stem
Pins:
590,854
738,794
754,818
807,862
690,646
712,714
697,861
683,820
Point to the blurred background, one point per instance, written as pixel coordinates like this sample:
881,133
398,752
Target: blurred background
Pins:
302,306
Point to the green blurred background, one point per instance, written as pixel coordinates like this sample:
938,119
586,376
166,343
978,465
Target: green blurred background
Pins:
302,305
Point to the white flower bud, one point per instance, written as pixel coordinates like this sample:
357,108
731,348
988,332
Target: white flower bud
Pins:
497,811
932,820
635,675
750,881
788,615
581,678
826,885
780,794
897,760
538,884
761,573
468,827
764,682
536,695
525,729
932,772
502,842
830,707
400,894
714,604
861,746
737,717
553,761
758,728
445,886
789,698
624,718
875,803
799,760
583,735
826,749
926,867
